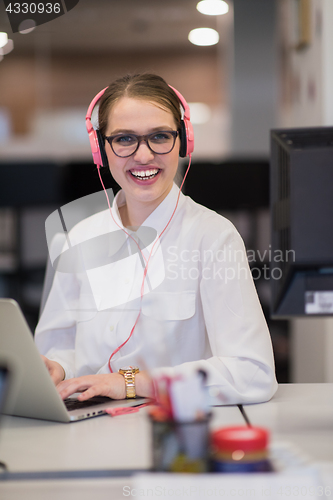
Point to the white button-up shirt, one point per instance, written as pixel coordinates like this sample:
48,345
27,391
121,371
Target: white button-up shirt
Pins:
198,308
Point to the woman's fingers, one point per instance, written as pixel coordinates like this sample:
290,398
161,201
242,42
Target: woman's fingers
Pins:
55,370
111,385
72,385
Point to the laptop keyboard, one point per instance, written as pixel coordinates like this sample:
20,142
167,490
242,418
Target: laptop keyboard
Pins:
75,404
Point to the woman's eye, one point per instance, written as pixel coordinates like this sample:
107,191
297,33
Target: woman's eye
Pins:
125,140
161,137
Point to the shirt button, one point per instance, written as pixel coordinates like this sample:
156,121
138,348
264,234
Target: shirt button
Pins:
111,328
127,281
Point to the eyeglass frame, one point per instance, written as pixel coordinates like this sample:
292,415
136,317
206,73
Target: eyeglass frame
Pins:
145,138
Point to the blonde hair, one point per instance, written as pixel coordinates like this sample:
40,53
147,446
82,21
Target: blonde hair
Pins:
145,86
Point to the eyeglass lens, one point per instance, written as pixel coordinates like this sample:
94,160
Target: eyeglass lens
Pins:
158,142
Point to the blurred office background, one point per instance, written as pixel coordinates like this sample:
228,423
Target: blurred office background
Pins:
272,67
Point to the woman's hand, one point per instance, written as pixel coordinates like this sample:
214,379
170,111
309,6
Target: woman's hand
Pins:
111,385
55,370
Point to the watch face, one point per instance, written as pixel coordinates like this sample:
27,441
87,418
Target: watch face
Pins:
130,369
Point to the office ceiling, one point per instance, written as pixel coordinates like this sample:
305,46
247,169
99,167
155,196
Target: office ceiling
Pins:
118,25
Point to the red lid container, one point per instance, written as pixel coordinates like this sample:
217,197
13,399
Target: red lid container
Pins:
248,439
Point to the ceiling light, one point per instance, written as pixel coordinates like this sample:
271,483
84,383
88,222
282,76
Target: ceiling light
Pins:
27,26
7,48
213,7
203,36
3,38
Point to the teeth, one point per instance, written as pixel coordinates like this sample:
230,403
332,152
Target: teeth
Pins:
144,173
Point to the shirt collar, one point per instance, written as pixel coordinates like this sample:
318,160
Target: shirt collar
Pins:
160,217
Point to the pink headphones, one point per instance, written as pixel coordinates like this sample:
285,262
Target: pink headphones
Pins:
186,135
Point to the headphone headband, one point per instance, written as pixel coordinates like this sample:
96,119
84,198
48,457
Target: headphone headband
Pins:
184,104
97,142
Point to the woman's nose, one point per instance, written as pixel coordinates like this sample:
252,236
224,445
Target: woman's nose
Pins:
143,153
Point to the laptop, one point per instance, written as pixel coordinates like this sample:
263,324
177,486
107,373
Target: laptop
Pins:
33,393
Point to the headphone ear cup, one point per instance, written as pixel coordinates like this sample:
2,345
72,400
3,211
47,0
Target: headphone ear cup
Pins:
102,151
183,140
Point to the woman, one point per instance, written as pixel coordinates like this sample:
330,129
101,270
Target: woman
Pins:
182,300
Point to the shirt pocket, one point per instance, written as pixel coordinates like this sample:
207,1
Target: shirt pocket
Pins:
169,306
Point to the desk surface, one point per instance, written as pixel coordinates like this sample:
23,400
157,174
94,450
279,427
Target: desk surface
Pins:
96,444
299,413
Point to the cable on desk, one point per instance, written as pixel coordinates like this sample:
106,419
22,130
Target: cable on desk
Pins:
246,418
3,467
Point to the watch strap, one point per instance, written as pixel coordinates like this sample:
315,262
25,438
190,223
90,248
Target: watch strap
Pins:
129,376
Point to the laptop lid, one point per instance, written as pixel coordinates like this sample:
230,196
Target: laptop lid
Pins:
33,393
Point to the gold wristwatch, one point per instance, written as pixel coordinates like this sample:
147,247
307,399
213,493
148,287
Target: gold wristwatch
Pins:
129,375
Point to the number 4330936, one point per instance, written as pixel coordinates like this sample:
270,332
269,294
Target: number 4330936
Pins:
33,8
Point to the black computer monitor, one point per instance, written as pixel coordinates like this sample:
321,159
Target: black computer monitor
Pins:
301,202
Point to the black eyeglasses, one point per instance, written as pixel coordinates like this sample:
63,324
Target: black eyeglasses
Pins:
161,142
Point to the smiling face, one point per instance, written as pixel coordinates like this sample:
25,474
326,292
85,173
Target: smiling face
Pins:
141,117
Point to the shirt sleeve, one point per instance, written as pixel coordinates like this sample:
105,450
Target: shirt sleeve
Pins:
241,368
56,330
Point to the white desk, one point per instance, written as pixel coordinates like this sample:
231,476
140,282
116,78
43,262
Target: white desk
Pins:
65,489
97,444
301,414
93,452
